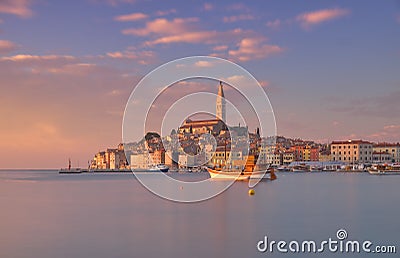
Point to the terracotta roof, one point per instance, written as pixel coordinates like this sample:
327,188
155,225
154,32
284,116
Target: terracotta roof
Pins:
386,144
198,123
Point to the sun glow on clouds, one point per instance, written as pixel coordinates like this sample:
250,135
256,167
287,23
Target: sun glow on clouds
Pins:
275,24
131,17
245,44
387,133
317,17
166,12
7,46
23,57
253,48
208,6
204,64
19,8
162,26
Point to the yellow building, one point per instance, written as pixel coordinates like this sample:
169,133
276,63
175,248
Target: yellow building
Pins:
391,148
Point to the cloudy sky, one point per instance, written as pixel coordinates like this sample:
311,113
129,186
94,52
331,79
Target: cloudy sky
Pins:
330,69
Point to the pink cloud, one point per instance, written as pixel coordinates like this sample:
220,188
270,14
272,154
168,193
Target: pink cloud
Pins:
131,17
203,36
143,57
238,7
275,24
250,45
186,37
220,48
7,46
391,127
74,69
388,133
317,17
23,58
208,6
162,26
19,8
167,12
264,84
116,2
253,48
204,64
235,18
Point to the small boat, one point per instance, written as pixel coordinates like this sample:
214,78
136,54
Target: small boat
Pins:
154,168
385,169
300,169
283,169
242,175
159,167
227,175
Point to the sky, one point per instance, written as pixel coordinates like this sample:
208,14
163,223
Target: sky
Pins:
67,68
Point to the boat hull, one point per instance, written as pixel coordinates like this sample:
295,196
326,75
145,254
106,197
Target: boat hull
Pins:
154,170
239,176
383,172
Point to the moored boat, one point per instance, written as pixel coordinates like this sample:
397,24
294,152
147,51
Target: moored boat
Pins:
227,175
155,168
242,175
385,169
300,169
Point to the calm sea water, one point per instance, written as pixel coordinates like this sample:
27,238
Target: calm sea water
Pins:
44,214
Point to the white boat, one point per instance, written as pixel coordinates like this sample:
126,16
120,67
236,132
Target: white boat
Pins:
300,169
155,168
385,169
241,175
227,175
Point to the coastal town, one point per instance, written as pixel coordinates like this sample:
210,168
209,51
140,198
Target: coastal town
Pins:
212,143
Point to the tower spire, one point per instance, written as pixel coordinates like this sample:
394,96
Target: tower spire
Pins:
221,103
221,90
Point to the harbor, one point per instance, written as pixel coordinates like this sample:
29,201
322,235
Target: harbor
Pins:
114,212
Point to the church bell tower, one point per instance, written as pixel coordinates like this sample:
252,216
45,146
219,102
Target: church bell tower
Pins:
220,104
